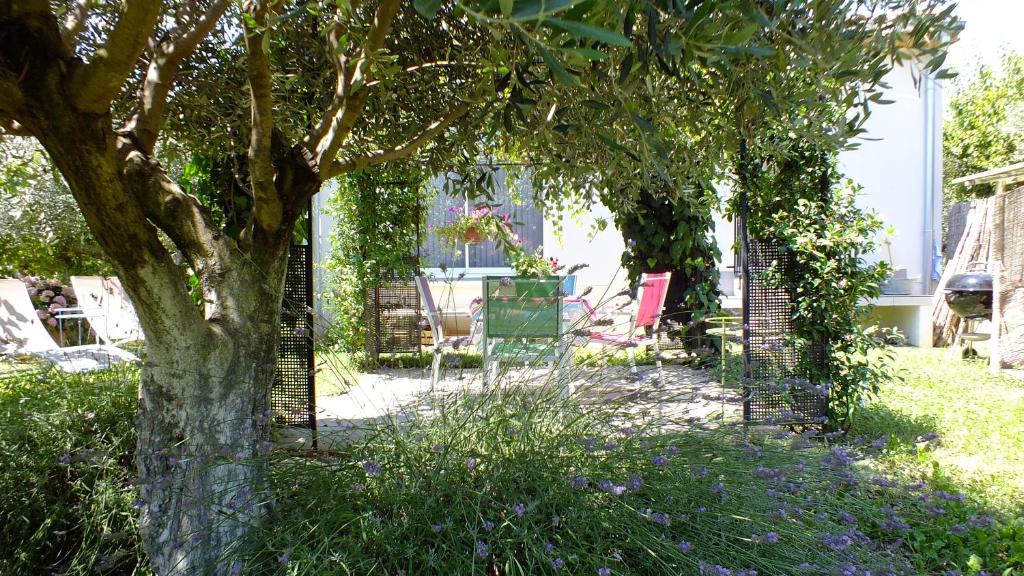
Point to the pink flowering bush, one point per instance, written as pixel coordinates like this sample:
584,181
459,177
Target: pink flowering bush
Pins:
49,296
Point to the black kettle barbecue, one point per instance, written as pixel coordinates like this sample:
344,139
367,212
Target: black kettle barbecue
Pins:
969,295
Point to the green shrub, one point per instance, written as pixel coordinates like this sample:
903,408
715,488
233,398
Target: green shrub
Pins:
42,231
67,474
378,216
800,202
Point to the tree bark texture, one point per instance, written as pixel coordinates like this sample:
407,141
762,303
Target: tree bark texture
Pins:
204,398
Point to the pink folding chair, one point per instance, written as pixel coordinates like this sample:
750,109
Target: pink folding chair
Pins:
436,329
651,298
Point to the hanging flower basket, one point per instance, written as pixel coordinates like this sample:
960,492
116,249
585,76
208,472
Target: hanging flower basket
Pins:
473,228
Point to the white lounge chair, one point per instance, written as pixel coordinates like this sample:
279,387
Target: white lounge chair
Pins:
21,332
108,309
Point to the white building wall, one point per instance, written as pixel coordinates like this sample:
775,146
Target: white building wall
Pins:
580,242
897,164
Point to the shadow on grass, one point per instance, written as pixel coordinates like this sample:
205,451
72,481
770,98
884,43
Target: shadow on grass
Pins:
877,420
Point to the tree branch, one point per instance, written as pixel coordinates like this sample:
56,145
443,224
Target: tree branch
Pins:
402,150
74,24
348,104
148,117
94,85
180,215
11,127
267,209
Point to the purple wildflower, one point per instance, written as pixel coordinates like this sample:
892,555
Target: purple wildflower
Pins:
579,482
659,518
660,460
358,487
372,468
605,571
685,546
771,538
837,542
548,547
482,549
519,509
283,558
488,525
557,564
635,482
437,527
470,463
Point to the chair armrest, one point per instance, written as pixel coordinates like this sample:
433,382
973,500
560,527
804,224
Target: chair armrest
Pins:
78,312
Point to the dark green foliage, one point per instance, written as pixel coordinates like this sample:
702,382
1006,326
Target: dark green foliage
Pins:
67,477
675,236
217,183
379,214
799,202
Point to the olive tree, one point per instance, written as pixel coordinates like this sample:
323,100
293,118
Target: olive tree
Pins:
291,94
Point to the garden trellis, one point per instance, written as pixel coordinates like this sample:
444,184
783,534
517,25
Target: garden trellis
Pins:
771,361
293,395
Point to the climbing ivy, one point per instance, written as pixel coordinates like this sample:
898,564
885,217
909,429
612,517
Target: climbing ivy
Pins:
677,237
801,202
377,212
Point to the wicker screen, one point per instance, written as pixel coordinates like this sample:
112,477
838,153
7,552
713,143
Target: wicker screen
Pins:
394,311
1008,251
770,363
293,396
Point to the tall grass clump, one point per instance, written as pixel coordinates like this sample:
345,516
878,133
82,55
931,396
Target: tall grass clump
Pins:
522,479
67,474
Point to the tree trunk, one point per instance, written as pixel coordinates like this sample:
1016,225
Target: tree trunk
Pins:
203,423
204,398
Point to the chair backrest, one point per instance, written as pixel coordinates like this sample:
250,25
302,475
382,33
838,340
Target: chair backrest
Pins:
107,307
20,327
569,285
433,316
651,295
519,307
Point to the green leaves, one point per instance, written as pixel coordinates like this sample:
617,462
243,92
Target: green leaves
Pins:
557,70
427,8
583,30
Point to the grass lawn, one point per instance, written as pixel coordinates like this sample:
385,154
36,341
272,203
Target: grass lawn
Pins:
957,415
516,484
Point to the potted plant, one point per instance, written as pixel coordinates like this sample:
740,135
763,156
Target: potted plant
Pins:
530,264
481,223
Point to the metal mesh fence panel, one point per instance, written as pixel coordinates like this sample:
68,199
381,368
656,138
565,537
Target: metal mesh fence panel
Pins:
293,396
775,391
394,315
